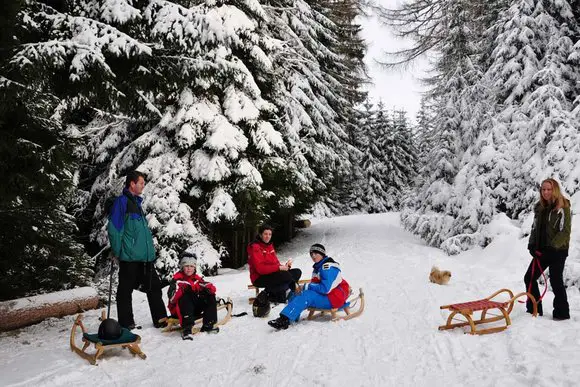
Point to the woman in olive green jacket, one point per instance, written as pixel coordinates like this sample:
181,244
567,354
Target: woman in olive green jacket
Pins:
549,241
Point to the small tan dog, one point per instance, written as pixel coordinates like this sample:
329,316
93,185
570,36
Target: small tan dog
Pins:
439,277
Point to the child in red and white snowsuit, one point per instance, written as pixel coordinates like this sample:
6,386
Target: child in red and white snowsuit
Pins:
190,296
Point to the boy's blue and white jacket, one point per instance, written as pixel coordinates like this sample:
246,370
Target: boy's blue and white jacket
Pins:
327,280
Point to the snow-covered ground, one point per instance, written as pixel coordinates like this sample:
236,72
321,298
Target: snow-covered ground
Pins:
394,343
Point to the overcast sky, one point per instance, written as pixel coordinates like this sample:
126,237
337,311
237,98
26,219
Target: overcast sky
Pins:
396,88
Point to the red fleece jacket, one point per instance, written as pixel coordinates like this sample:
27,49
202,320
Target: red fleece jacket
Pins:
262,259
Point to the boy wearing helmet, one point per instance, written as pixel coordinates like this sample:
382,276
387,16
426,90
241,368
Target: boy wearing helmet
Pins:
190,296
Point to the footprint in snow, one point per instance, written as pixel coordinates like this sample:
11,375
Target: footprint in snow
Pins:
258,369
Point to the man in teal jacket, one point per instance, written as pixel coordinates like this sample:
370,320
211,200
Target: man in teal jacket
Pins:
132,243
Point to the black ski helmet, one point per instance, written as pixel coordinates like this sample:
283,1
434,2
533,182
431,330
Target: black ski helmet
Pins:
261,305
109,329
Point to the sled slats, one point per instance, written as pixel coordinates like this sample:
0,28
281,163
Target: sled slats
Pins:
173,323
251,299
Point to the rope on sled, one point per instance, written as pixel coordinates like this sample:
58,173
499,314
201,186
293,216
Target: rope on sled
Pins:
221,301
537,263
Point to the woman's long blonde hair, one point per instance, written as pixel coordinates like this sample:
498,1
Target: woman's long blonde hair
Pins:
557,197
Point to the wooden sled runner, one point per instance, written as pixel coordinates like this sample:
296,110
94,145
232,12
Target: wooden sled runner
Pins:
251,299
127,340
466,310
346,309
173,322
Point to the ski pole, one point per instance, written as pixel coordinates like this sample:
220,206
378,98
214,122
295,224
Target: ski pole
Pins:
110,287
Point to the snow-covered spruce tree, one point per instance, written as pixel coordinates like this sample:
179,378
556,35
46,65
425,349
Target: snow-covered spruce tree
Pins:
99,65
424,129
533,89
301,93
351,71
353,192
100,69
482,180
401,159
431,216
518,80
381,168
374,195
575,60
426,216
550,134
333,38
479,186
388,161
38,251
352,75
207,157
485,177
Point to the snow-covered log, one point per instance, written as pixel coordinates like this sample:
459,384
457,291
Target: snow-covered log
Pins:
302,223
31,310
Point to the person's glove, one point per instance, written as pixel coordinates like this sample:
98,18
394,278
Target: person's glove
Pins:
207,287
184,287
534,253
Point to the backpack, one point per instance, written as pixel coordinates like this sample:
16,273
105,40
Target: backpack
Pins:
108,207
261,305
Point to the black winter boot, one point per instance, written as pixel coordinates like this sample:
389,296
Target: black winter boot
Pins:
186,334
558,316
281,322
209,329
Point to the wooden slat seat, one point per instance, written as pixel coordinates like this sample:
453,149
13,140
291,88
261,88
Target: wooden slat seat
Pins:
173,321
346,309
257,290
478,305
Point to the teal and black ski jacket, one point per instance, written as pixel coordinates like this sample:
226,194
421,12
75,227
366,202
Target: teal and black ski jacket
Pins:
129,233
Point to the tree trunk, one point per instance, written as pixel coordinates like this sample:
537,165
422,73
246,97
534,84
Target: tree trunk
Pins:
31,310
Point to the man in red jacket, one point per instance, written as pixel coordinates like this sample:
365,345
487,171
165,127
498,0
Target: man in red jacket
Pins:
266,271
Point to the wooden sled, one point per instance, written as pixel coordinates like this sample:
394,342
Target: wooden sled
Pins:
173,322
127,340
466,310
251,299
348,313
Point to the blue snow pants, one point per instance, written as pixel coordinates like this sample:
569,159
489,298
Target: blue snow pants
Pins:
306,299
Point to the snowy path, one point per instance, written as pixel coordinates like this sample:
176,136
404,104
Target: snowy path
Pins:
394,343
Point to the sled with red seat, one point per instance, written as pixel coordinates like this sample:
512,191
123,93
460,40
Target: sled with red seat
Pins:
467,309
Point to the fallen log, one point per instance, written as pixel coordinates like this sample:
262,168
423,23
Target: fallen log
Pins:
302,223
31,310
